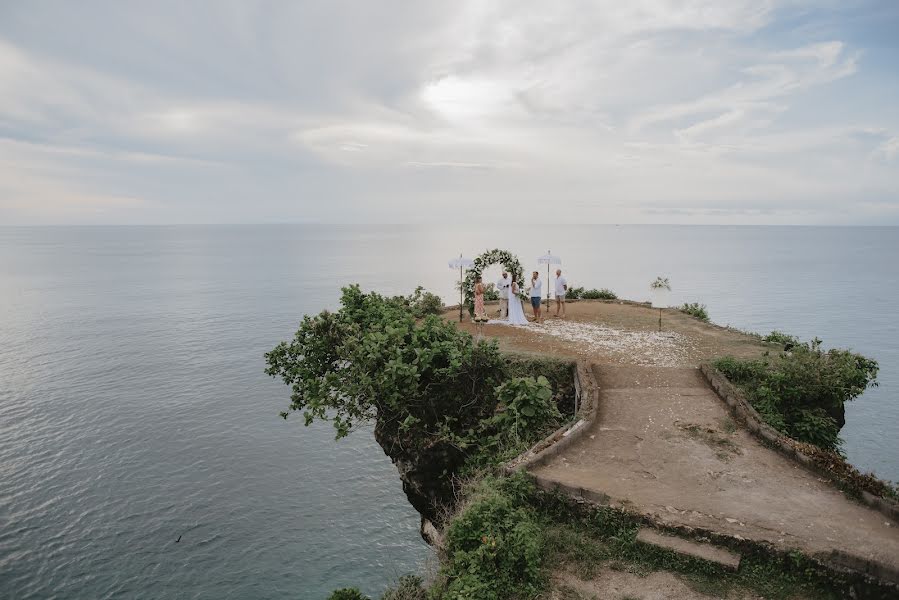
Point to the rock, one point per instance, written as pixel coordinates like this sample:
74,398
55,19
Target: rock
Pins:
423,472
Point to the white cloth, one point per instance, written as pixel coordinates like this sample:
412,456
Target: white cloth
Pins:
502,287
516,312
561,282
536,288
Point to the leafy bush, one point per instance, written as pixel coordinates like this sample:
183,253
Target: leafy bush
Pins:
494,547
425,303
602,294
557,371
409,587
490,292
573,293
528,407
784,339
347,594
801,393
697,310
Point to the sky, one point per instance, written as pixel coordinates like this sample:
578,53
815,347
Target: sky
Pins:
645,111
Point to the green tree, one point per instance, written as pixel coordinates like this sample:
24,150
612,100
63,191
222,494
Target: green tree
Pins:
372,360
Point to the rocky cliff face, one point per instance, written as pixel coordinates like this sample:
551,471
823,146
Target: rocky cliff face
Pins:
426,473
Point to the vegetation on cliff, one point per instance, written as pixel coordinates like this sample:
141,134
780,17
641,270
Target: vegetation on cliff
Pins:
508,540
697,310
445,405
575,293
801,392
438,398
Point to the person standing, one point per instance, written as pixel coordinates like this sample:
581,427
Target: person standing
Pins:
479,311
561,290
503,287
536,296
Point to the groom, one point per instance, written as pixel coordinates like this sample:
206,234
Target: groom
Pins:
503,286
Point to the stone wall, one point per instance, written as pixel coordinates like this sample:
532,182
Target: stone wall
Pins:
743,410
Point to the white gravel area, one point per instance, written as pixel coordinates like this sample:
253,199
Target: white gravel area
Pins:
648,348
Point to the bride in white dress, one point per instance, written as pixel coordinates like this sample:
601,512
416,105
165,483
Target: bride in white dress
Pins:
516,312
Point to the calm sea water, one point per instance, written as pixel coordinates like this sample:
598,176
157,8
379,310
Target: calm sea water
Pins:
134,408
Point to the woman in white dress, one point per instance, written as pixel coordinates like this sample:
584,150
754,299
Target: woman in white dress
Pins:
516,312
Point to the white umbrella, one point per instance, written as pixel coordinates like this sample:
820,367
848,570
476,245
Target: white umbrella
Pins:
460,263
548,259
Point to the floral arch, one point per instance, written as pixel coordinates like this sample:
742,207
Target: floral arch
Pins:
491,257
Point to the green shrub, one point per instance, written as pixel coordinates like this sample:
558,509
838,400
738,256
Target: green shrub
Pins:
527,407
697,310
409,587
425,303
573,293
494,547
801,393
784,339
347,594
602,294
490,292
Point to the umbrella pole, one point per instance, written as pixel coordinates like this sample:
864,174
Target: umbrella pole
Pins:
460,292
547,281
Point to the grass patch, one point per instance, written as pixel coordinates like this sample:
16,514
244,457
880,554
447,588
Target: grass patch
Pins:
727,425
723,446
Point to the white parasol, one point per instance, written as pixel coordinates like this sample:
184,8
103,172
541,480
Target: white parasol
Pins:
548,259
461,263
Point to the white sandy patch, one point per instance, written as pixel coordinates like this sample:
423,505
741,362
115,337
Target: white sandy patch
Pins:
659,348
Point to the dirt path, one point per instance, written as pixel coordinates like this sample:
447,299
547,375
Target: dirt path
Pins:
664,444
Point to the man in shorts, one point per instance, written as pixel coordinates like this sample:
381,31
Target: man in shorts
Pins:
536,296
561,290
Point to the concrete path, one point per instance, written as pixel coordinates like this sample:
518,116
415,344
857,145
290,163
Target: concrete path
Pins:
664,444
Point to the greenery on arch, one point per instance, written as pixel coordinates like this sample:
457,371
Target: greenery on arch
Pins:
509,261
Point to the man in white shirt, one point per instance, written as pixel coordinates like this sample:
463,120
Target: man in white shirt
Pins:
561,290
502,287
536,296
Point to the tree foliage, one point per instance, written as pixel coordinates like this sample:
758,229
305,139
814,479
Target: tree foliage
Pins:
372,360
424,303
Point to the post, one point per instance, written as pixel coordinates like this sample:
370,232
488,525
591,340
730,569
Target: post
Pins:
548,253
461,292
660,318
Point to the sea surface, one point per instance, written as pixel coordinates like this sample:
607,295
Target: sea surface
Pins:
134,409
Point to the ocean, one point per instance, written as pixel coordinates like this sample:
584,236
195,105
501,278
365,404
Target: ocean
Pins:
134,409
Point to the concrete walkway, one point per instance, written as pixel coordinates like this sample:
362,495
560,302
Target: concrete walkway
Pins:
664,444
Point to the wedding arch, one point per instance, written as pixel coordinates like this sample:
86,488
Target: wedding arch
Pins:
491,257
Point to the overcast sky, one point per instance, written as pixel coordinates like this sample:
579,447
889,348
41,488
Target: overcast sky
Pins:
650,111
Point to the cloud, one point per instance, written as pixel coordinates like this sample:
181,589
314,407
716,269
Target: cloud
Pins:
730,111
889,150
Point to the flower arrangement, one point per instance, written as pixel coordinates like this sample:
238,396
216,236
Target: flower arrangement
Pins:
491,257
661,283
